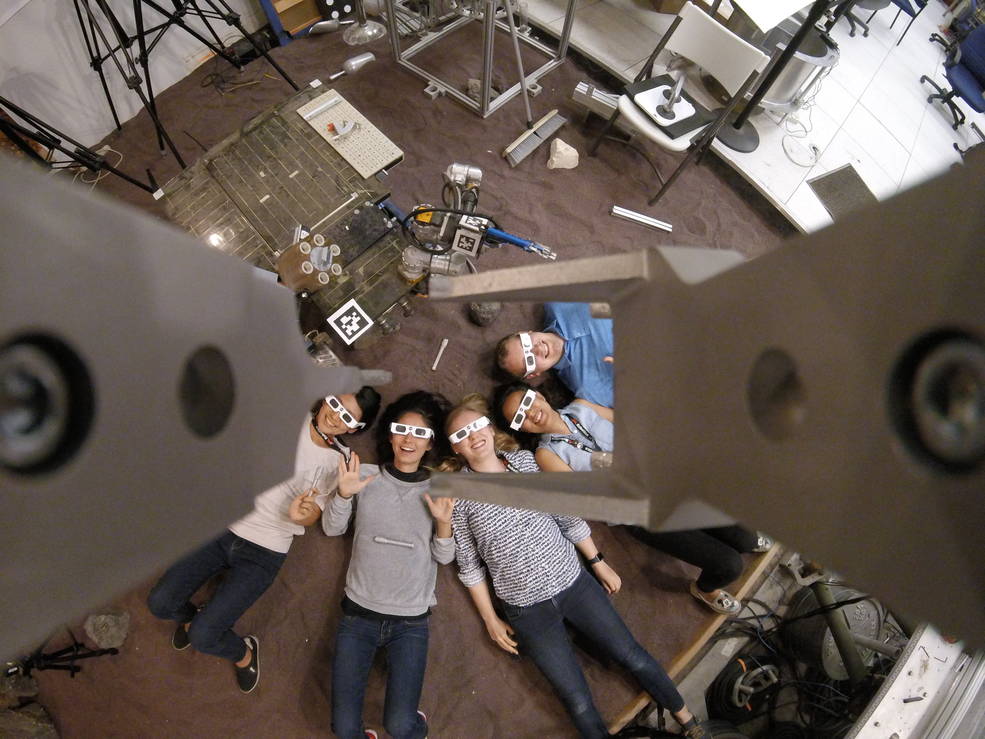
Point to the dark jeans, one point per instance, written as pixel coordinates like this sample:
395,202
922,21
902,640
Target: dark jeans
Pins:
251,570
406,645
716,551
585,605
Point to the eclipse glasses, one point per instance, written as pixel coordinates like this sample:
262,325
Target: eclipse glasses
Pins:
521,412
404,429
527,347
461,434
347,418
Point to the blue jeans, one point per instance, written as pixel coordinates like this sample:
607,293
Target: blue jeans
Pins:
541,634
406,645
251,570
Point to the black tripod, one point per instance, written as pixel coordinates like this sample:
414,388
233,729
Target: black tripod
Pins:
101,48
47,135
62,659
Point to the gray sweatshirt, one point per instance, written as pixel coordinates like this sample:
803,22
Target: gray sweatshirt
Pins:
395,554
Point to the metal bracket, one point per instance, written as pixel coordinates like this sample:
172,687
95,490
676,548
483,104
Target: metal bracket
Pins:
434,90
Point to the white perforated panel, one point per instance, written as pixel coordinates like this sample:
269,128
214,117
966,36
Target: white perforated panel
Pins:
351,134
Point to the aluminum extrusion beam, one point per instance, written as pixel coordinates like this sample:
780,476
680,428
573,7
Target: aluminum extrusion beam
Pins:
486,105
831,392
118,452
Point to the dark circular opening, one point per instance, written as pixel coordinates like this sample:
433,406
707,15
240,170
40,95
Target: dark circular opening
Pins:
206,391
937,401
776,395
46,403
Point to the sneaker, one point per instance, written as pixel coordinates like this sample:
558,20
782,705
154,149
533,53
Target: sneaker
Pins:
248,677
371,734
763,543
719,601
694,730
179,639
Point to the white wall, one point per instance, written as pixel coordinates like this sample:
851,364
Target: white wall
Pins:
44,65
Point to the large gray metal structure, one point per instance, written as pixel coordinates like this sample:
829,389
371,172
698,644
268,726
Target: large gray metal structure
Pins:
149,388
831,392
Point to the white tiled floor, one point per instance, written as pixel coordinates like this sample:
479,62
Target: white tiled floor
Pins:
871,111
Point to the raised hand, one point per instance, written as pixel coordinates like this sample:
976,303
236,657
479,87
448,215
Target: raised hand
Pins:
303,507
500,632
441,509
349,482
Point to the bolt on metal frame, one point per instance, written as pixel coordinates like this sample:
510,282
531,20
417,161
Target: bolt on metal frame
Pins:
486,105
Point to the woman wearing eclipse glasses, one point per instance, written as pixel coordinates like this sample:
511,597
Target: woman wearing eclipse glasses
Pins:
532,560
255,546
400,536
567,438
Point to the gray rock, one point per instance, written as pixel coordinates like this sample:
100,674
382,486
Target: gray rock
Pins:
30,722
14,688
108,630
482,314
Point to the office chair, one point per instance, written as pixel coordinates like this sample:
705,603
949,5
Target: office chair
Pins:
965,72
912,8
855,22
960,26
666,114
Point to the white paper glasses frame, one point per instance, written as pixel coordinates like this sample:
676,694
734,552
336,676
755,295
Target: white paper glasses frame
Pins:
521,412
403,429
527,347
463,433
347,418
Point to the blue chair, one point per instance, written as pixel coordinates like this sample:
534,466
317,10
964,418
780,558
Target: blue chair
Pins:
965,72
912,8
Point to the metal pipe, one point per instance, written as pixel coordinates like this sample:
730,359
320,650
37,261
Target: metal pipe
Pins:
813,16
519,64
488,38
632,215
841,633
876,646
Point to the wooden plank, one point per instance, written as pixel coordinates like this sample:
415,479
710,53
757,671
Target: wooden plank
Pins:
281,5
747,584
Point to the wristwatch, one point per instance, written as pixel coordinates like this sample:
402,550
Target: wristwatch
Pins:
596,559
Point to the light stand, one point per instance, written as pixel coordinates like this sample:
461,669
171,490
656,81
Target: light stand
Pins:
101,48
62,659
364,30
739,134
49,136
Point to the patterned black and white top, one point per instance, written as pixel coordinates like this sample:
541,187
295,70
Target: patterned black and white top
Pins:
530,555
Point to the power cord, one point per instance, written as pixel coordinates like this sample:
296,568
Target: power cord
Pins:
794,147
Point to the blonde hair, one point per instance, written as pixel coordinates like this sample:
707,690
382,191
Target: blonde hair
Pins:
502,442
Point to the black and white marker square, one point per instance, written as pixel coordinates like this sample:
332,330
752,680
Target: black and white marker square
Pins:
350,321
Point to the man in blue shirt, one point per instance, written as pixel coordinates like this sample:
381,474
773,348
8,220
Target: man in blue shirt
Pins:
578,347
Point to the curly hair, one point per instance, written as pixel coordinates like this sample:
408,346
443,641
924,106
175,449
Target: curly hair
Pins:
368,401
500,394
476,403
433,407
